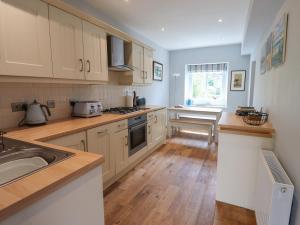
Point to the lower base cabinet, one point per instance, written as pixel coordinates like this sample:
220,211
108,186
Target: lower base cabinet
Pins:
111,141
75,141
99,142
156,127
119,145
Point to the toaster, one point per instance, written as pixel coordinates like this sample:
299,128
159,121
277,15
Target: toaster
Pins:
87,108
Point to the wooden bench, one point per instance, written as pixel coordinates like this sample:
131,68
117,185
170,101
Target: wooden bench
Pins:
197,123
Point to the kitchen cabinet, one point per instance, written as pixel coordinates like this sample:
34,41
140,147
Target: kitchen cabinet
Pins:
120,146
138,64
24,38
141,59
156,127
79,48
95,52
99,142
148,65
66,44
74,141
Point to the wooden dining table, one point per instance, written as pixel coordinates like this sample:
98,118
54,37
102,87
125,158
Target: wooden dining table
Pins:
203,115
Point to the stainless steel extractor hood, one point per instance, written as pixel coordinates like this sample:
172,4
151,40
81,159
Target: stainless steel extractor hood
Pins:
116,55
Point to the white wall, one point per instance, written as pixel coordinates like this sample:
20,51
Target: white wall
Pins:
278,92
227,53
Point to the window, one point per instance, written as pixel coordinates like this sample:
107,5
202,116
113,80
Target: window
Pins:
206,84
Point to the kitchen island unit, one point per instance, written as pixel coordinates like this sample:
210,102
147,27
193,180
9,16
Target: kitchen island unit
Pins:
238,152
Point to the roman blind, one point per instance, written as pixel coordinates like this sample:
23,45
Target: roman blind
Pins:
212,67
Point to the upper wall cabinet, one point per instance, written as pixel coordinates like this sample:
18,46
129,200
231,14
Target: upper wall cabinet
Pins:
148,65
138,64
66,44
78,48
141,59
24,38
95,52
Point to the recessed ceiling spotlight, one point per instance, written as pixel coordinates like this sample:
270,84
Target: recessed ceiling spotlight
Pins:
126,0
163,29
220,20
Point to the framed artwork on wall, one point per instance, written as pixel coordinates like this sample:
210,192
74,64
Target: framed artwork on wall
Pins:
263,56
238,79
157,71
266,56
279,41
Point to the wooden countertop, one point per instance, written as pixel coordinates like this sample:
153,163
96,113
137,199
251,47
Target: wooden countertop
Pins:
231,123
25,191
73,125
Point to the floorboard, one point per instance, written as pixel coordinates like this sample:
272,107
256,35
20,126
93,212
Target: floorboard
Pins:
174,186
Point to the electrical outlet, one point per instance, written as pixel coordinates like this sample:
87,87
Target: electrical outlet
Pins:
51,103
18,106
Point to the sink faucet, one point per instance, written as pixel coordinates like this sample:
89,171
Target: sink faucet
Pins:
2,146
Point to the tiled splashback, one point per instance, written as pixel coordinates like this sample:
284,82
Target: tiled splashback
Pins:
110,95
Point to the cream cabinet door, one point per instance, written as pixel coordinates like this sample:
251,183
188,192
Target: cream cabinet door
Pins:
95,52
138,64
150,142
159,126
66,44
119,145
75,141
148,65
99,142
24,38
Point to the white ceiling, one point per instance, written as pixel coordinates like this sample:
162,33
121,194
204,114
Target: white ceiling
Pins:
188,24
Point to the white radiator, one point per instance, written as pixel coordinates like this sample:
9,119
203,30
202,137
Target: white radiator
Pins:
274,192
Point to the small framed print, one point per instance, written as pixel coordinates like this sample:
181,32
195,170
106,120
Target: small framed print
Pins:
238,78
157,71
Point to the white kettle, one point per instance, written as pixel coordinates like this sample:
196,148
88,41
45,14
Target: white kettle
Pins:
35,114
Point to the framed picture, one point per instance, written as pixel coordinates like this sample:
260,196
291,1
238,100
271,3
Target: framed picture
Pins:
157,71
266,56
279,41
238,78
268,47
263,60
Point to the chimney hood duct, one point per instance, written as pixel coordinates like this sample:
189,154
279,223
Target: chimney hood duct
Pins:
116,55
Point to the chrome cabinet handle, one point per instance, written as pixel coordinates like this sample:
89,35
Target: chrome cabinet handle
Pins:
83,142
102,132
81,62
126,139
89,64
121,125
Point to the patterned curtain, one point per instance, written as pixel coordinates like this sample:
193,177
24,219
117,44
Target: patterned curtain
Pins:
214,67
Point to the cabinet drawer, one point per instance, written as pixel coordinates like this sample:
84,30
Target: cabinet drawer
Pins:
120,125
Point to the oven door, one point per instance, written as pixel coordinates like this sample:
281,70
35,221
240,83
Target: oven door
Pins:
137,138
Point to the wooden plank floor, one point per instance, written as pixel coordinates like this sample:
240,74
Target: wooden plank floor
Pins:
174,186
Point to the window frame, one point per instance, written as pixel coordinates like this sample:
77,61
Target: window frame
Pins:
206,103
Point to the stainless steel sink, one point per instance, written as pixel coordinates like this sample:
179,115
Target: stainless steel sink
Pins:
19,159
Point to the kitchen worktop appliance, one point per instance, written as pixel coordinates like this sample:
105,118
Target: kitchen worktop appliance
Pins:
122,110
87,108
137,130
35,114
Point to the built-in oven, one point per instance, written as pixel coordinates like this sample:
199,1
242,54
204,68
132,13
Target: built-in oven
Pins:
137,130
